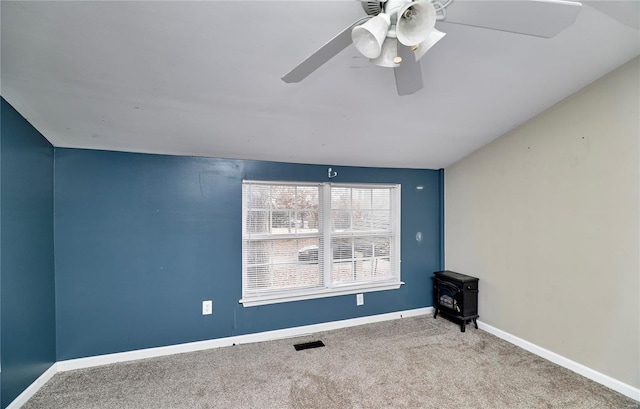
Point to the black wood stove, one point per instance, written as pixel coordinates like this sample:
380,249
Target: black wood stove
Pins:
456,296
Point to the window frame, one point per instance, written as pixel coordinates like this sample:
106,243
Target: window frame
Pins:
327,288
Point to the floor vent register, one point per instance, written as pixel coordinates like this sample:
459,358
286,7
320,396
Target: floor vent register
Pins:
308,345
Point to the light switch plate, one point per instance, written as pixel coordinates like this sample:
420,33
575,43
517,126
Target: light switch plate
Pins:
359,299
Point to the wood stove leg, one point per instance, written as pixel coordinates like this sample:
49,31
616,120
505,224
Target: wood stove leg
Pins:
475,323
435,314
463,326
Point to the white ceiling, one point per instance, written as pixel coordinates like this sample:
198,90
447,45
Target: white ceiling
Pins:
203,78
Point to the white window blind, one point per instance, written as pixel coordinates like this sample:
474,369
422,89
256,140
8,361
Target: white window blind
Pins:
302,240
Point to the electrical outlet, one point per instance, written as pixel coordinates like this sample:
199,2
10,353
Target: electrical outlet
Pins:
359,299
207,307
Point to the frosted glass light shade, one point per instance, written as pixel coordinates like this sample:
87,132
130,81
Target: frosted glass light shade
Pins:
368,37
415,22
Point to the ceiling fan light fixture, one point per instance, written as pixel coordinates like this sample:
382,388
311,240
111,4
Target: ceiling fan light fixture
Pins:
415,21
389,55
421,49
369,36
410,26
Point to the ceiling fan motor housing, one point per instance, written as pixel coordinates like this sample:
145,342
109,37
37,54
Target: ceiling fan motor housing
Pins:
372,8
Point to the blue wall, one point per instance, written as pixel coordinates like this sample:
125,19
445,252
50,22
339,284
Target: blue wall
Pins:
142,240
27,284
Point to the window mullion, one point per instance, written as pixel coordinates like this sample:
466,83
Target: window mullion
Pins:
325,234
395,227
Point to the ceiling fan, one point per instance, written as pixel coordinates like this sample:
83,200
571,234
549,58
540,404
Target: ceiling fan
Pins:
398,33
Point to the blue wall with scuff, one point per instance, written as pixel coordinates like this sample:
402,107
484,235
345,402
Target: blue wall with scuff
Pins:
27,287
142,240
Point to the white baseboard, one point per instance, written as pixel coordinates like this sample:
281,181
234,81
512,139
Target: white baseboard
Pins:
34,387
235,340
609,382
61,366
100,360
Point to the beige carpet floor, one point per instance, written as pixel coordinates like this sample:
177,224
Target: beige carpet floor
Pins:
408,363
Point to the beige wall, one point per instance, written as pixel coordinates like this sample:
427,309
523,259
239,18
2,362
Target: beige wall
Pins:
547,217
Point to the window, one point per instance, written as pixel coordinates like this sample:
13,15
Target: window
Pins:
306,240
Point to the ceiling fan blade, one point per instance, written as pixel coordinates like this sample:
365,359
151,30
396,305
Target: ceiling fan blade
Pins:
541,18
324,54
408,73
626,12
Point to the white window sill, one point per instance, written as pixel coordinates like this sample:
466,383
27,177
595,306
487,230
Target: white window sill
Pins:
325,292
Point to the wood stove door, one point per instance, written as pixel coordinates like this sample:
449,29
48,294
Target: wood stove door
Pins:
447,296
